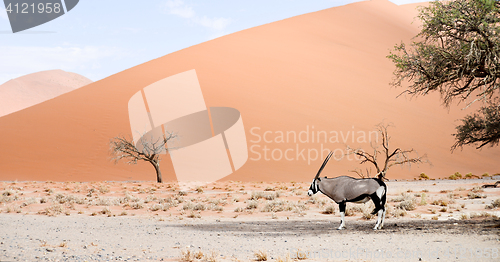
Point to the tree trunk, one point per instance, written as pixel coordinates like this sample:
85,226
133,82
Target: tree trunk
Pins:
159,179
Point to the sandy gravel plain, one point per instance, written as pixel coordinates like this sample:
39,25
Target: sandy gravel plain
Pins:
439,220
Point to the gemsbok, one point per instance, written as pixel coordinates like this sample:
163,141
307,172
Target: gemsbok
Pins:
345,189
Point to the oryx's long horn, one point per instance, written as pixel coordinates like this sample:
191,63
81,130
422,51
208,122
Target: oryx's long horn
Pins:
324,164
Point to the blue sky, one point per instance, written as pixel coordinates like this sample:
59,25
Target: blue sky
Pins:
99,38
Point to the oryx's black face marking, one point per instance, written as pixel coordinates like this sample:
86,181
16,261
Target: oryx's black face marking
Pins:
313,189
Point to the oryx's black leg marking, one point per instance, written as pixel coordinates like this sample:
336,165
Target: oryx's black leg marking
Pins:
342,207
376,200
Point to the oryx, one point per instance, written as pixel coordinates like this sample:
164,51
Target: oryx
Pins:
345,189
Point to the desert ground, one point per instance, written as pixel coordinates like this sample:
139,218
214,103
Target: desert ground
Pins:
427,220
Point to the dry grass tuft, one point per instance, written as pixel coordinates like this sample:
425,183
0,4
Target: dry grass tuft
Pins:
260,255
353,210
274,206
329,210
300,255
213,256
187,255
398,212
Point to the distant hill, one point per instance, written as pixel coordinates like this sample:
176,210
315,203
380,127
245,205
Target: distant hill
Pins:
32,89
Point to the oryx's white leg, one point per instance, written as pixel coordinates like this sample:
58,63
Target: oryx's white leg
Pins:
342,221
383,219
379,218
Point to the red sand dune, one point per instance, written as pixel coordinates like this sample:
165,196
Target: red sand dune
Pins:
32,89
326,69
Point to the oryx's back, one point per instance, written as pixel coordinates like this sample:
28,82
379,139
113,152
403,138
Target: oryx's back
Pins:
346,188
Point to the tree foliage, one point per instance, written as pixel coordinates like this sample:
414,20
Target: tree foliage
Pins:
457,54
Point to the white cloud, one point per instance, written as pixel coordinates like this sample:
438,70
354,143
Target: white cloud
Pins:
178,8
218,24
3,13
183,10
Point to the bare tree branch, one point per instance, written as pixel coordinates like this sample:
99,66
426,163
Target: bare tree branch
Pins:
148,149
396,157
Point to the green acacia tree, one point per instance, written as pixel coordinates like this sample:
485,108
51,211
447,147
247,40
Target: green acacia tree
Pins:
457,53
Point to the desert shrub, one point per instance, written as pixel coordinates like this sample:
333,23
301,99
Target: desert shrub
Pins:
455,176
199,190
330,209
352,210
188,206
199,207
473,195
8,192
407,204
136,205
485,175
403,197
256,195
423,201
103,189
238,209
274,206
494,204
477,189
367,211
296,207
150,198
103,202
106,211
156,207
441,202
53,210
216,208
194,215
252,204
480,215
423,176
398,212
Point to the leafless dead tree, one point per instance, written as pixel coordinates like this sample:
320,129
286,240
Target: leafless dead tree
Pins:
149,148
382,157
